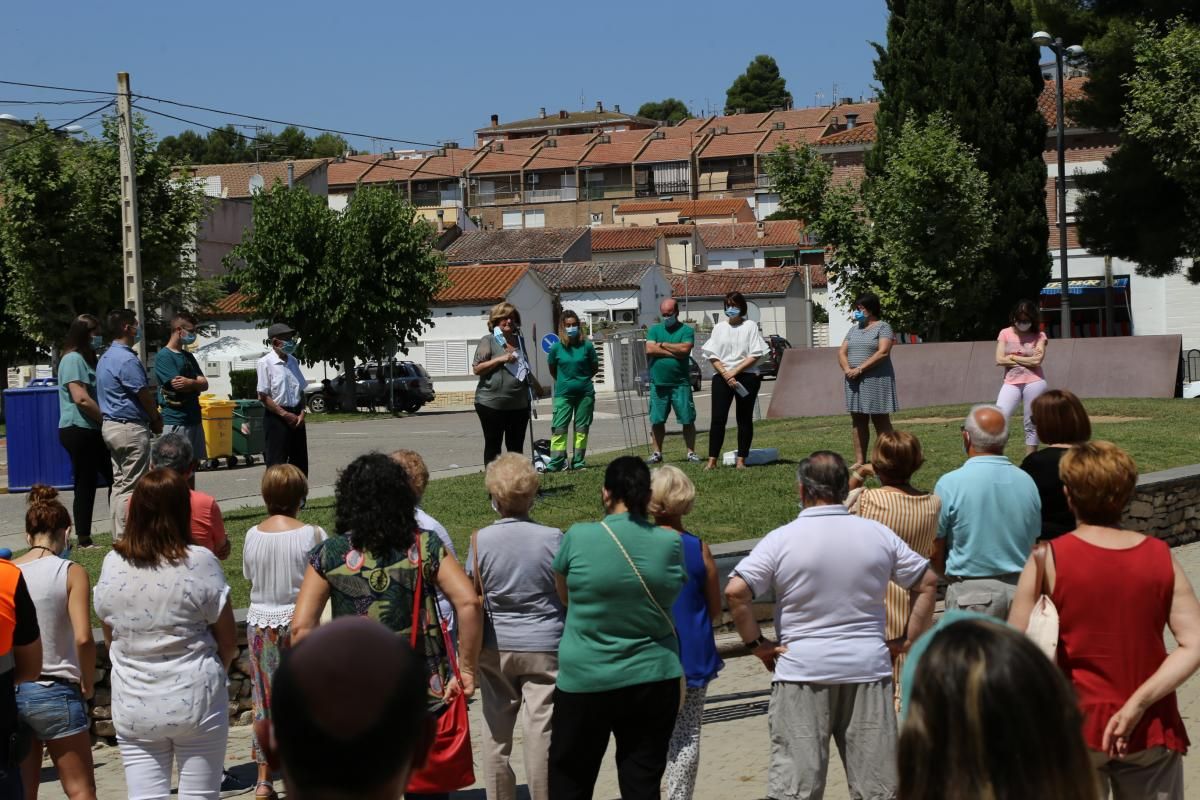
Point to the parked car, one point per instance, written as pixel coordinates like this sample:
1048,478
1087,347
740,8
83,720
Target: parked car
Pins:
774,357
642,382
394,385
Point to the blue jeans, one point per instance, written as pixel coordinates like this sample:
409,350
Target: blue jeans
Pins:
52,712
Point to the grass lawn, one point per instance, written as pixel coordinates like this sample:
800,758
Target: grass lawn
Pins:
744,504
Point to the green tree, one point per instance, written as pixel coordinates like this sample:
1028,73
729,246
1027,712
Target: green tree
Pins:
930,227
760,88
356,284
329,145
226,146
187,148
801,178
60,231
974,61
670,110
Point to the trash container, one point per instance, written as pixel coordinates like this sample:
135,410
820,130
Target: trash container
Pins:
35,454
249,436
216,417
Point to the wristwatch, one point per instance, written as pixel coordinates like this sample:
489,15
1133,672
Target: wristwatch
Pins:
757,643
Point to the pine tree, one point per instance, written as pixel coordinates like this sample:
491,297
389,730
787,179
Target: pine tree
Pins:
760,88
974,61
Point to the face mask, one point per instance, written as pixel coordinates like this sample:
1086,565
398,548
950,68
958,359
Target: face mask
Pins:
289,346
65,555
499,336
573,331
495,507
137,337
859,315
732,312
1024,326
97,342
187,337
669,320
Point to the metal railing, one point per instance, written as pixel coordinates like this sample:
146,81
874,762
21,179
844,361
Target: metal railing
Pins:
565,193
604,192
502,197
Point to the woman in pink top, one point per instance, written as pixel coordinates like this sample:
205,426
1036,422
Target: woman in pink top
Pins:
1020,349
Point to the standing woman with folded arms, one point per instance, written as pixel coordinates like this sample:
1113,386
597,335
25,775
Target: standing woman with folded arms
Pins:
866,361
734,347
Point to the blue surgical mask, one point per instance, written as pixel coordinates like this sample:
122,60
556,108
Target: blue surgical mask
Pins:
65,555
732,311
859,315
137,337
573,331
499,336
289,346
187,337
97,342
669,320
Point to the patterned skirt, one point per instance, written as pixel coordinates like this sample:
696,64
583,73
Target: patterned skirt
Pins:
266,648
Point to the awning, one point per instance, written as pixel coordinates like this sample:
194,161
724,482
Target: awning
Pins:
1083,285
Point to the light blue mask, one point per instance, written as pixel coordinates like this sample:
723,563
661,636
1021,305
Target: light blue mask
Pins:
137,337
669,320
573,331
97,342
498,335
289,346
188,338
732,312
65,555
859,315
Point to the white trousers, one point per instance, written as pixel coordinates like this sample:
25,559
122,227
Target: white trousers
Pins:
1011,395
201,757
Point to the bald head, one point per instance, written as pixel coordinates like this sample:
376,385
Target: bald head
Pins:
986,430
351,693
668,307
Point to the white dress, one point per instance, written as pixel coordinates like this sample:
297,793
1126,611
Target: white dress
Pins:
167,677
274,563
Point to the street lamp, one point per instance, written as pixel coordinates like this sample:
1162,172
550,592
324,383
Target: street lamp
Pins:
1043,39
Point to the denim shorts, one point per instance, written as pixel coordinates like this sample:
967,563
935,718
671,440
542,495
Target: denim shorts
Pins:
52,712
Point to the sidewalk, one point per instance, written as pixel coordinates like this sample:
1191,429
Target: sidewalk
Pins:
734,742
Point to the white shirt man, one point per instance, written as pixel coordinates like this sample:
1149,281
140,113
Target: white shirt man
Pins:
281,390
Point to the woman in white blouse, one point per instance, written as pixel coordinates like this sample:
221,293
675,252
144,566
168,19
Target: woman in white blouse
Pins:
734,347
274,559
164,605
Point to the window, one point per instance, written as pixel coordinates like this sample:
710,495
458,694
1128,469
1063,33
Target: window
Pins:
597,219
447,358
1073,193
511,220
535,219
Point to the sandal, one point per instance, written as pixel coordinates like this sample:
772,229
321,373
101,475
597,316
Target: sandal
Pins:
270,790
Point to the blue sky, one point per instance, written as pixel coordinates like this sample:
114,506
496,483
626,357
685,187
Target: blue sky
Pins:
434,71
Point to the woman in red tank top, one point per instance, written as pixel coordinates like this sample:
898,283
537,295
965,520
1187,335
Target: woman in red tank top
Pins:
1116,591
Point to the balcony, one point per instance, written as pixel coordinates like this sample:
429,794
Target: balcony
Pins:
664,189
765,182
427,199
499,197
596,192
562,194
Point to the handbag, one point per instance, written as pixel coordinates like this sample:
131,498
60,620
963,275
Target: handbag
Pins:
1043,620
448,765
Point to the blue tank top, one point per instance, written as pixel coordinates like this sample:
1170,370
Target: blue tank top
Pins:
697,648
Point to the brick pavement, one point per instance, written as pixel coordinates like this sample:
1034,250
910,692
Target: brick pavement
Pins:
733,746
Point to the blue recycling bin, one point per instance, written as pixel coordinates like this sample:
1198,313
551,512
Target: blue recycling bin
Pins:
35,454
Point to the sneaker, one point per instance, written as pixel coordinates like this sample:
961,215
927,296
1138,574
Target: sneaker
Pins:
656,458
694,459
232,786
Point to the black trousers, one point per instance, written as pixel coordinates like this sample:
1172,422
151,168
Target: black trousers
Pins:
502,425
91,463
722,397
641,717
285,444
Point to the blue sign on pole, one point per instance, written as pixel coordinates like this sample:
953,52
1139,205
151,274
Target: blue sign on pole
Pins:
548,341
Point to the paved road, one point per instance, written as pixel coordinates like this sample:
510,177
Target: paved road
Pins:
734,742
450,441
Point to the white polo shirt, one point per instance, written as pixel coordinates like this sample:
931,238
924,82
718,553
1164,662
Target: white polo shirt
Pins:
281,379
829,570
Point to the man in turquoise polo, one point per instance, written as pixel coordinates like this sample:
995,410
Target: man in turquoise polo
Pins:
669,351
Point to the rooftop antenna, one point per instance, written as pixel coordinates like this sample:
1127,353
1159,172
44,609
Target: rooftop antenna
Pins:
818,96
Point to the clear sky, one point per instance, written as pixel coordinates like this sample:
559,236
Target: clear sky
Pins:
431,71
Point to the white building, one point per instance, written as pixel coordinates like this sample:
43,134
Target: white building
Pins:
776,300
620,293
744,245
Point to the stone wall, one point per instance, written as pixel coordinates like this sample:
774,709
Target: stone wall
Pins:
1166,505
241,705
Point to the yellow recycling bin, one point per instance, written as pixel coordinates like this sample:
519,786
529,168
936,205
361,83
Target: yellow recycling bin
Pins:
216,417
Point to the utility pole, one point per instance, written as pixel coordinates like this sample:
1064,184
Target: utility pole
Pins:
131,236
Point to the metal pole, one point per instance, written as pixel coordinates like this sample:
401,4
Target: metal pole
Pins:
131,237
1108,298
291,173
1061,186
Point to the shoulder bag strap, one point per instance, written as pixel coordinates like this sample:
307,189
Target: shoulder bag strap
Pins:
1040,552
624,552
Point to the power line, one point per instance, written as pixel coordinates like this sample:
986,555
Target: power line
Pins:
56,129
57,88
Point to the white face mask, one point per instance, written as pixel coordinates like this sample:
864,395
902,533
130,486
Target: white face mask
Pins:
1024,326
495,507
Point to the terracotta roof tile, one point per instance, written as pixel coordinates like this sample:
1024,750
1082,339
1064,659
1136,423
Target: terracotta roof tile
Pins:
479,283
525,245
450,165
776,233
859,134
739,123
235,178
236,304
798,117
865,111
686,128
563,155
791,136
620,148
750,282
348,172
733,144
676,149
1048,104
573,119
577,276
390,170
687,208
643,237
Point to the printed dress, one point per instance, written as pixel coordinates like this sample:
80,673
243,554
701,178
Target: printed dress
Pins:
874,392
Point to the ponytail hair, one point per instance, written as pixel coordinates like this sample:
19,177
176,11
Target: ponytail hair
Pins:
45,514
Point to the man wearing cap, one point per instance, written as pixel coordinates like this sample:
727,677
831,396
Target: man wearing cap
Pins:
281,390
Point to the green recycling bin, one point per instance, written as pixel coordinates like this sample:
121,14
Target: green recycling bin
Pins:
249,436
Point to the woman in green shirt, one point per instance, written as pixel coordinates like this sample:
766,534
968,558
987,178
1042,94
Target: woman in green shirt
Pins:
618,660
573,362
79,420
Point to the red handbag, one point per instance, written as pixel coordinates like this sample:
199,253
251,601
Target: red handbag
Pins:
448,766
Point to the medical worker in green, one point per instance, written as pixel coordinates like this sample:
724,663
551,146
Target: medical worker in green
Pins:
573,362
